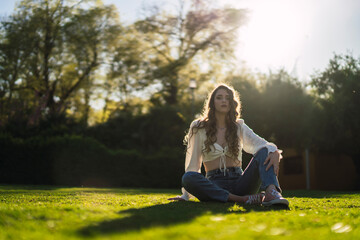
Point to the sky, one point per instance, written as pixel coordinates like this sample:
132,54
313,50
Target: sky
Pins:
299,36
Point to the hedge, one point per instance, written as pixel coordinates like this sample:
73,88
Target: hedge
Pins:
73,160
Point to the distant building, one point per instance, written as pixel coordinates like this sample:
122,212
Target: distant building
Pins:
307,170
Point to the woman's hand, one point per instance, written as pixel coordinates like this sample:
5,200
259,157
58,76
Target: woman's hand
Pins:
273,159
177,198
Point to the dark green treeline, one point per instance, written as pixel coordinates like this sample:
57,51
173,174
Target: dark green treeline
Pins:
58,59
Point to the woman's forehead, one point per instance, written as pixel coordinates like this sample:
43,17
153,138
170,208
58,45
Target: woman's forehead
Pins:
221,91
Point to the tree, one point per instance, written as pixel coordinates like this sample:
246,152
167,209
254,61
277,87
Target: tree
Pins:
276,106
337,90
14,51
90,36
174,41
125,72
61,47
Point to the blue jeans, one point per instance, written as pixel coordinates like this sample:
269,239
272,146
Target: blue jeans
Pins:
216,187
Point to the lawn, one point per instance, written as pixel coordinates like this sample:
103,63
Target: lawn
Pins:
41,212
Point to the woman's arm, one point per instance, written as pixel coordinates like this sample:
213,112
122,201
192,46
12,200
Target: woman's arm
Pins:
193,159
253,143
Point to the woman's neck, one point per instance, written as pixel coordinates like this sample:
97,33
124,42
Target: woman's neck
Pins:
220,120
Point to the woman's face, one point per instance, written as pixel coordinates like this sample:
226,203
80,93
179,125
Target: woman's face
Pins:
222,101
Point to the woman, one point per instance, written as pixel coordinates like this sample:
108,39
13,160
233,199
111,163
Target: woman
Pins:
216,140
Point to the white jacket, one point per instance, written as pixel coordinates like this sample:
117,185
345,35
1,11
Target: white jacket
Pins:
195,156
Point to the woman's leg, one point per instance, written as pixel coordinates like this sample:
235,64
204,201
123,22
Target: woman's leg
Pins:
202,188
255,176
206,190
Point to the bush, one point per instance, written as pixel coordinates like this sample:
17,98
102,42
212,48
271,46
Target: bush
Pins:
161,127
82,161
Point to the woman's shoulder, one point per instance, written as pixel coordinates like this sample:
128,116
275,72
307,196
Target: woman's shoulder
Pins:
197,126
240,121
197,123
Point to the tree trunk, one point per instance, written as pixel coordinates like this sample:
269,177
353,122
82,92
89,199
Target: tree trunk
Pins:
86,113
171,94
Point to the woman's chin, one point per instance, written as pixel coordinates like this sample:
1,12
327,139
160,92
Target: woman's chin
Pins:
222,111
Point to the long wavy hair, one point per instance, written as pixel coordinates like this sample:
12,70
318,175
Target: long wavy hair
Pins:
208,121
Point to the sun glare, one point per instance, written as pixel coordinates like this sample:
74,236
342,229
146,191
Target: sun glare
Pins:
275,34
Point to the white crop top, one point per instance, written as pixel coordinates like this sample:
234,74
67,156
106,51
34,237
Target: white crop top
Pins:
195,154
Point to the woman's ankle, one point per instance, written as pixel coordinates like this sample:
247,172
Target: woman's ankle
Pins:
236,198
270,188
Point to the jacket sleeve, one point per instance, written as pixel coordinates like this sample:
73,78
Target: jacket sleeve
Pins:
193,158
252,142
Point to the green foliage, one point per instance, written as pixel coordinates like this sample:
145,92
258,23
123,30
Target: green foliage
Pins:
337,90
42,212
50,50
161,127
76,161
278,109
288,111
174,41
50,127
57,57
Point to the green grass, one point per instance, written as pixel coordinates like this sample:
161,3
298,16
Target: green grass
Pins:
39,212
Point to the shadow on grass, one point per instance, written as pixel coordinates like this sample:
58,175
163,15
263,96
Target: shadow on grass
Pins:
166,215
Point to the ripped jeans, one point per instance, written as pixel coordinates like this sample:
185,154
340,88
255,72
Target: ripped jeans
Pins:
216,187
